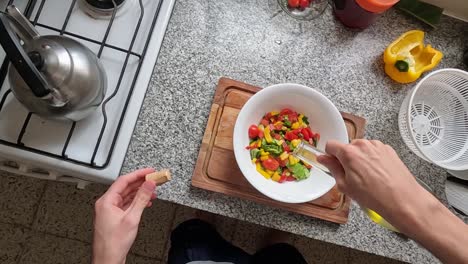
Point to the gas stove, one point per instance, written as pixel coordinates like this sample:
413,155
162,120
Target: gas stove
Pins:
126,36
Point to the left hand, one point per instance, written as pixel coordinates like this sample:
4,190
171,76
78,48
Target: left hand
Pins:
117,215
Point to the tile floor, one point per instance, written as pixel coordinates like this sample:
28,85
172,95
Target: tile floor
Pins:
51,222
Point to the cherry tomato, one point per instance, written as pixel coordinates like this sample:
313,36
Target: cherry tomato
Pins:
282,179
304,3
260,134
253,131
283,163
293,3
286,111
290,136
296,131
276,136
286,147
270,164
265,122
305,133
311,134
290,178
293,117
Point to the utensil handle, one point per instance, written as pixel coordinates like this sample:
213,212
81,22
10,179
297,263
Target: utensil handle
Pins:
20,60
23,27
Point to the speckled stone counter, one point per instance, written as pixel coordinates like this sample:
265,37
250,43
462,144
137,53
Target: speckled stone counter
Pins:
253,42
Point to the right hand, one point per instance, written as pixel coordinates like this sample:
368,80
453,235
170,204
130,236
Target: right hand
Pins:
371,173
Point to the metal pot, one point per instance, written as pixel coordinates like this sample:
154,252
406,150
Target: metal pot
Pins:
53,76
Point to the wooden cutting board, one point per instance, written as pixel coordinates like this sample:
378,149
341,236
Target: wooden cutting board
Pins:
216,169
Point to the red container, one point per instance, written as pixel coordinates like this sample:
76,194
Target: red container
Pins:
360,13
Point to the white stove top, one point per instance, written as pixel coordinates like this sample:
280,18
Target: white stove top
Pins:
45,152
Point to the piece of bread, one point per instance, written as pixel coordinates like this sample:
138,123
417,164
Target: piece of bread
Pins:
159,177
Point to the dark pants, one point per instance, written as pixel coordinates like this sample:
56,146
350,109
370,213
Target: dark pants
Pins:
195,240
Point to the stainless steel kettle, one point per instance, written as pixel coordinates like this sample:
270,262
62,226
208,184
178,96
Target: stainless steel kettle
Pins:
53,76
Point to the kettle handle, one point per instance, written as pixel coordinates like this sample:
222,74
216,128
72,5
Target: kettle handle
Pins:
18,57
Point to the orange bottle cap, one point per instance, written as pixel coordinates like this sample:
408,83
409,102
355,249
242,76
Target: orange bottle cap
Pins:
376,6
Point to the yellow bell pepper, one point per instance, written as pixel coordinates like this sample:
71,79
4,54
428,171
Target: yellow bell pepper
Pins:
273,113
276,177
284,155
262,158
295,125
407,57
295,142
293,160
267,135
254,160
262,172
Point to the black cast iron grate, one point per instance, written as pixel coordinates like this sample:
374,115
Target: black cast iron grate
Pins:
103,44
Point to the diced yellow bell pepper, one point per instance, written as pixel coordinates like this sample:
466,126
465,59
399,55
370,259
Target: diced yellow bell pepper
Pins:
293,160
266,134
264,153
254,160
262,158
295,125
279,123
273,113
261,127
259,143
284,128
284,155
407,58
295,142
279,142
269,172
276,177
259,168
300,117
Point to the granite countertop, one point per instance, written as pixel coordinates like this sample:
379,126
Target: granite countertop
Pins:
253,42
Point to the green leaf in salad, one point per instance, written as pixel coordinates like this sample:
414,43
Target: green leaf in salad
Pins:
277,142
299,171
254,153
273,149
279,170
286,122
264,142
305,120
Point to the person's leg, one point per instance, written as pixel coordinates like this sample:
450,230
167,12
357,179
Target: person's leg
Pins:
278,254
195,240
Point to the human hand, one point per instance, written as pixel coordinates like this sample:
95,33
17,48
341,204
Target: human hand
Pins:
371,173
117,215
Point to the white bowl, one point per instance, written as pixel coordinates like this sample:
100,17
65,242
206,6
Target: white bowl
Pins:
324,118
